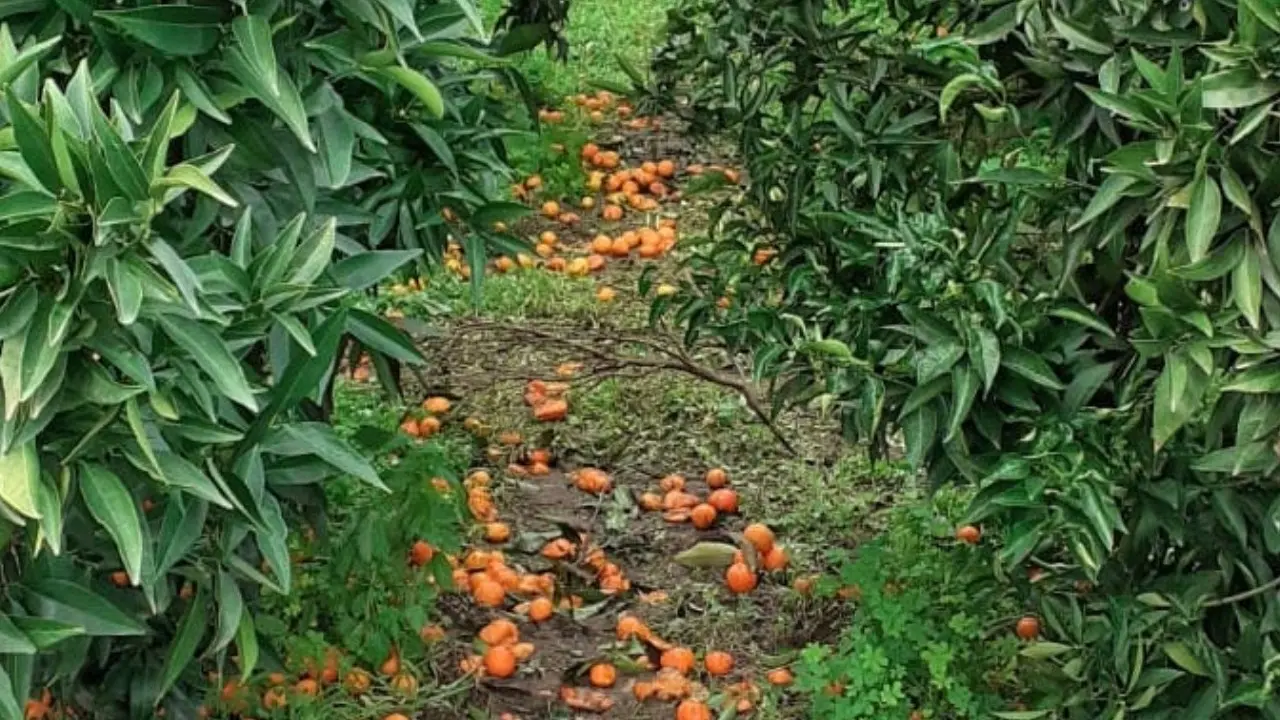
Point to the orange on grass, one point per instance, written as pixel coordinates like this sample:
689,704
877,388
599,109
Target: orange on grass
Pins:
677,500
760,537
391,665
620,248
612,213
630,626
804,584
595,262
569,218
603,675
504,264
606,294
716,477
718,663
541,610
405,684
409,427
578,267
500,632
500,661
1028,628
559,549
487,592
551,410
551,209
436,405
497,532
969,534
651,502
548,238
723,500
587,203
396,716
428,426
275,699
421,553
703,516
666,169
740,578
780,677
776,559
557,264
533,182
642,691
680,659
602,244
693,710
357,681
589,151
671,482
431,634
592,480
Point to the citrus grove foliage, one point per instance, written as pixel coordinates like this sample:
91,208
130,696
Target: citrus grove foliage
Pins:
192,196
1038,240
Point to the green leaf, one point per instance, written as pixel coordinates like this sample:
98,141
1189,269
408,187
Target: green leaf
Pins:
188,283
247,642
1182,656
211,354
920,429
1030,366
1203,216
418,84
46,633
33,142
110,504
25,59
984,353
1248,458
1076,36
952,90
179,532
12,640
1246,288
964,389
1218,263
381,336
368,268
73,603
199,95
937,359
24,205
19,479
18,310
254,42
318,439
1083,316
189,176
230,608
1109,193
9,707
314,254
1236,88
1085,385
185,640
183,30
1042,650
122,166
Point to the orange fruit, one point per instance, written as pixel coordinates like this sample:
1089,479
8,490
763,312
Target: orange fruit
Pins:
405,684
541,610
612,213
428,426
693,710
569,218
718,663
522,651
671,482
120,578
533,182
500,632
420,554
357,681
431,634
606,294
587,203
620,248
666,169
679,659
760,536
776,559
642,691
504,264
592,480
804,585
716,477
274,699
1028,628
723,500
276,679
488,592
548,238
780,677
391,665
436,405
497,532
500,661
651,502
969,534
740,578
703,516
602,244
630,626
603,675
409,427
589,151
595,262
677,499
395,716
551,209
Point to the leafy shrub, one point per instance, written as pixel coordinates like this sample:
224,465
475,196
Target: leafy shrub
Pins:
191,195
930,629
1037,241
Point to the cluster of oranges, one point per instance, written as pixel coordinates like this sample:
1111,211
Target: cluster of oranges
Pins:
547,401
649,243
639,188
429,423
678,505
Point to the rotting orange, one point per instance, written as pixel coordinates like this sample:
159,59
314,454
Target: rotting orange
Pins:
409,426
717,478
431,634
723,500
651,501
740,578
437,405
471,665
503,264
642,691
676,515
718,663
487,592
680,659
404,684
541,610
776,559
612,213
804,584
523,651
620,248
551,411
603,675
500,661
479,478
781,677
357,681
630,626
548,238
275,699
500,632
602,244
559,549
497,532
671,482
969,534
569,218
693,710
760,537
703,516
677,499
592,480
539,469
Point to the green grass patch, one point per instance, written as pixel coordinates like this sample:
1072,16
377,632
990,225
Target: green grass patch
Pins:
516,295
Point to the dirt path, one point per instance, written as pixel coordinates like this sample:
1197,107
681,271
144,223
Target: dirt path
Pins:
645,414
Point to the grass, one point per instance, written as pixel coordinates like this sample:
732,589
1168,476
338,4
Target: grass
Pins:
520,294
598,32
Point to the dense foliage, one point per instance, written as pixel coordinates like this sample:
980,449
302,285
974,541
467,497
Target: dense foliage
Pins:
191,197
1038,242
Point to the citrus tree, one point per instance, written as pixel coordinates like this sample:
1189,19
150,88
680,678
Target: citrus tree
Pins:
193,197
1035,241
